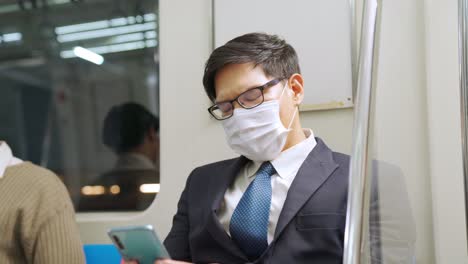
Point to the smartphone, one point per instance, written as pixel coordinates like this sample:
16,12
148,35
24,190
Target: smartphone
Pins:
138,243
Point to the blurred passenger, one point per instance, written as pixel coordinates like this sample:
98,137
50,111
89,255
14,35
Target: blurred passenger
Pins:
132,133
37,221
392,227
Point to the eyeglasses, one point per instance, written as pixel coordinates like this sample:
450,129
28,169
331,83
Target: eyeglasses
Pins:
248,100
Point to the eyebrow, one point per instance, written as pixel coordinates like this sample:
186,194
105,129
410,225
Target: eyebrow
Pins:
250,88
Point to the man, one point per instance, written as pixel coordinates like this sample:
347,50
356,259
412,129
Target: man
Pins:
37,221
132,133
282,201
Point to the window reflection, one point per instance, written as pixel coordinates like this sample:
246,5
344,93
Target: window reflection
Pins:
65,67
132,133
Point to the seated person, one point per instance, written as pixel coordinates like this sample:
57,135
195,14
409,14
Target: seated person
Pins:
284,200
132,133
37,221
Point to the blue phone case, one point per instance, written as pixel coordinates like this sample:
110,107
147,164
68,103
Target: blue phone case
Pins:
138,243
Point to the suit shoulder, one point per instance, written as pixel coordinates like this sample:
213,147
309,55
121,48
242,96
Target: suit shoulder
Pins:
209,169
341,158
215,165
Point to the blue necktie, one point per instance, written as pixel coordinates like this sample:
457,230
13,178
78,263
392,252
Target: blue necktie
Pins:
249,222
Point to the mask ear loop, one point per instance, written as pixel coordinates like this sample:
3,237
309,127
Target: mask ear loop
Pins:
292,119
282,92
295,111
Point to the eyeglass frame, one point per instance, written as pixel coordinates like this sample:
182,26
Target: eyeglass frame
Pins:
267,85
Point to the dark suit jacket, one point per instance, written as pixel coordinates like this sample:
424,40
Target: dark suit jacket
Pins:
310,228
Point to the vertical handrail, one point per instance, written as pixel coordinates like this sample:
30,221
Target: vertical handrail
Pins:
353,38
358,164
463,74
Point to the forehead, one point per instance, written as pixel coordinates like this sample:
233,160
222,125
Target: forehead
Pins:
233,79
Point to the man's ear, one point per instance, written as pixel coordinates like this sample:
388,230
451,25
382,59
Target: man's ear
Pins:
296,83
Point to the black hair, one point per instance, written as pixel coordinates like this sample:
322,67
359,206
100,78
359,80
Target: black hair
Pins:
276,57
126,125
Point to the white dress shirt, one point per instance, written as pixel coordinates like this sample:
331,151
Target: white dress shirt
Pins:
6,158
286,165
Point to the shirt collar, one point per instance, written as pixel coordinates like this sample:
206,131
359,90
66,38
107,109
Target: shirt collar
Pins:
6,158
288,163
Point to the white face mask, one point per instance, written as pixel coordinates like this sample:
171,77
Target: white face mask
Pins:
257,133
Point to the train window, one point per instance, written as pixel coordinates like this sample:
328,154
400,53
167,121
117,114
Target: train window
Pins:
80,96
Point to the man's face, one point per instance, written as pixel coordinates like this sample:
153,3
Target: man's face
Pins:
235,79
151,142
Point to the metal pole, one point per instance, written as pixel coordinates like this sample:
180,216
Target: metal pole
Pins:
358,164
353,37
463,68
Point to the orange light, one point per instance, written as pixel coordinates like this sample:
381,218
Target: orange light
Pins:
114,189
93,190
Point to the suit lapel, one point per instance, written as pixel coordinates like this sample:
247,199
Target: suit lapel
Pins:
222,179
315,170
